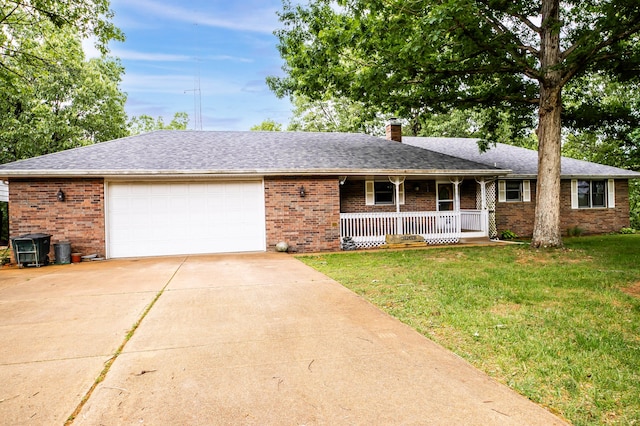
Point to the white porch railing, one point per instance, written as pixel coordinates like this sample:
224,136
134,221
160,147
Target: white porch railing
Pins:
370,229
476,221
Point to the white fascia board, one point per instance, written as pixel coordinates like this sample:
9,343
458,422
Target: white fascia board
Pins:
114,174
632,175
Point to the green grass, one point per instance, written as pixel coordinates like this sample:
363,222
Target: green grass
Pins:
561,327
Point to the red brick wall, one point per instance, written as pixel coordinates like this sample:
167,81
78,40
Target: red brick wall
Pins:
599,220
352,197
307,224
468,193
518,217
34,208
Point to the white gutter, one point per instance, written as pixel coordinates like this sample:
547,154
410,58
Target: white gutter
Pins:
111,174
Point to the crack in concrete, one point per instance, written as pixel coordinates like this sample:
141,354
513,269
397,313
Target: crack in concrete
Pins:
118,351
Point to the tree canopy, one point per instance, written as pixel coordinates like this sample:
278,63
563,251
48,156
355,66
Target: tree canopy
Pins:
335,115
145,123
20,19
267,125
59,101
52,97
429,57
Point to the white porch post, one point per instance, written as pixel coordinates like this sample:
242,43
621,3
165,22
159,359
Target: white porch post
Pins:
456,201
483,193
397,181
456,193
483,205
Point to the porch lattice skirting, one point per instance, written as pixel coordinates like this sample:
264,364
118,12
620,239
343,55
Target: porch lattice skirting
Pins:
368,230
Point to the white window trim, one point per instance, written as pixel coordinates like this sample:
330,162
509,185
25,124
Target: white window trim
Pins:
370,193
453,195
574,194
611,194
525,192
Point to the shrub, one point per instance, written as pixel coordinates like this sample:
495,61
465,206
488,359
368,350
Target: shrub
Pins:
508,235
627,231
575,231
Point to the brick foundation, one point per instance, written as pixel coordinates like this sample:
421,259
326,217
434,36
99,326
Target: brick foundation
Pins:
34,208
307,224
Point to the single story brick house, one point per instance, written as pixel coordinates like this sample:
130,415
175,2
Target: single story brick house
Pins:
594,197
190,192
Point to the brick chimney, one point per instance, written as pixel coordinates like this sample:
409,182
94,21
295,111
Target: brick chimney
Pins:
394,130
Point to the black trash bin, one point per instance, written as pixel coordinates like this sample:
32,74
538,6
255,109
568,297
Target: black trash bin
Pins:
31,249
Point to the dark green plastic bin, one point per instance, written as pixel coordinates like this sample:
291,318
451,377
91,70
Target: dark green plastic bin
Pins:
31,249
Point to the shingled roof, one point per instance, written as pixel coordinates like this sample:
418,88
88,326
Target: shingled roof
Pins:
523,162
169,152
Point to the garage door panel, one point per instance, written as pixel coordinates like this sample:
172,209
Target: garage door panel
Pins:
150,219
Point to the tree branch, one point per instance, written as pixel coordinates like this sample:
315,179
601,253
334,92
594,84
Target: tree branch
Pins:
591,55
516,56
8,15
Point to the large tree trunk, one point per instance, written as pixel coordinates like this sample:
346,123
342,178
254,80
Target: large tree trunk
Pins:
546,229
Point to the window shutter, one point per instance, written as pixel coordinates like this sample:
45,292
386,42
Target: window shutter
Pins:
526,191
369,193
611,193
502,191
401,192
574,193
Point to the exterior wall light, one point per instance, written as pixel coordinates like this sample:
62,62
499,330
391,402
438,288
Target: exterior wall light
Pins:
60,195
303,193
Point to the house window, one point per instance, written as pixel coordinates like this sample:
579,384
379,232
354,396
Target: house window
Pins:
591,193
514,190
382,193
445,197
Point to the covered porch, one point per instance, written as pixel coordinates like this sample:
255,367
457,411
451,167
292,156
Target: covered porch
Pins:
438,210
368,230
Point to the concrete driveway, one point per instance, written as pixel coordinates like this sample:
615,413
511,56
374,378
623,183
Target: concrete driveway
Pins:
230,339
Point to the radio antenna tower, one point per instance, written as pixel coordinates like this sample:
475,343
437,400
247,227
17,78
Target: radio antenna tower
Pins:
197,99
197,93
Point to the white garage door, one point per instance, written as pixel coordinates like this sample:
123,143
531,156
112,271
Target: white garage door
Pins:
153,219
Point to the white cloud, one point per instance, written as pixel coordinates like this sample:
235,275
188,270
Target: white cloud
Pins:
255,86
176,84
151,57
90,51
168,83
228,58
260,19
132,55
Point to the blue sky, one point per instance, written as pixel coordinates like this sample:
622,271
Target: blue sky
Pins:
229,44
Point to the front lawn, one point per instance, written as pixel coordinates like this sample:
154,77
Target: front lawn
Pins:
562,327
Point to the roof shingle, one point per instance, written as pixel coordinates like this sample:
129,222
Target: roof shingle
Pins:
207,152
523,162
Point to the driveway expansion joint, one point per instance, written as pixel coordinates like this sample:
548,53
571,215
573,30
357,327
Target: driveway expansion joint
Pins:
114,357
